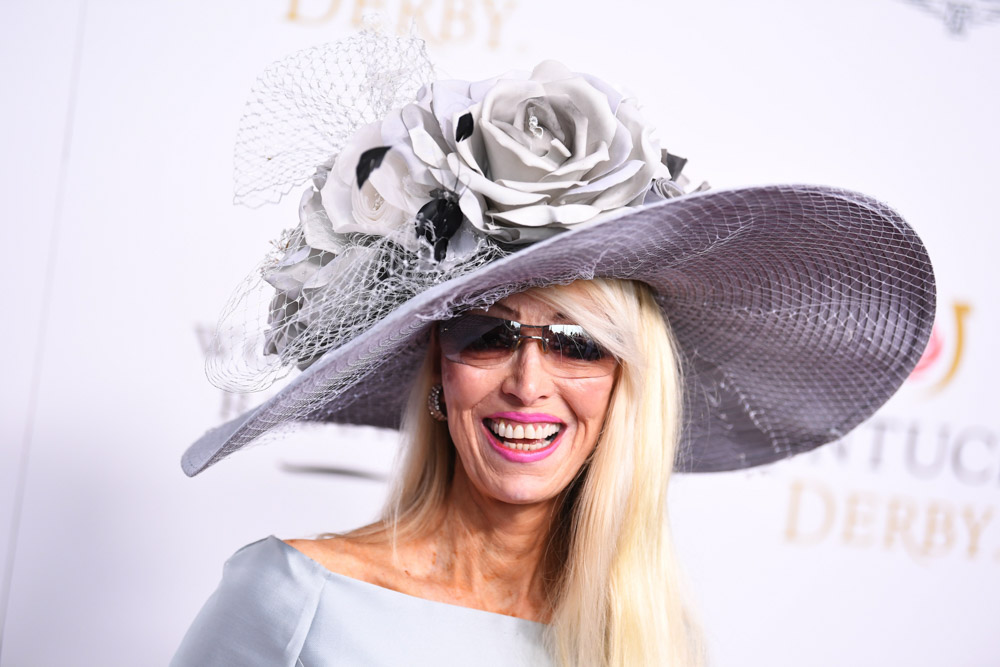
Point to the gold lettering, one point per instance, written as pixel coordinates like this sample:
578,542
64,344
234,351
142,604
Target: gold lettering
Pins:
460,12
939,537
975,527
793,532
899,521
859,519
294,13
362,7
495,18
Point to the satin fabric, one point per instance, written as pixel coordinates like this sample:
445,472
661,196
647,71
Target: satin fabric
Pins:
276,606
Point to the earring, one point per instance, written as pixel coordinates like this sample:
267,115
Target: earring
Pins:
434,404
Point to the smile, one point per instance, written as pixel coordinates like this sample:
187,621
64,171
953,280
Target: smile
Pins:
523,441
524,437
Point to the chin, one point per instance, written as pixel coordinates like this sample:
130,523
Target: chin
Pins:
523,495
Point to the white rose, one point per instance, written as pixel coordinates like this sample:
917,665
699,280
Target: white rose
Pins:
547,151
379,207
560,148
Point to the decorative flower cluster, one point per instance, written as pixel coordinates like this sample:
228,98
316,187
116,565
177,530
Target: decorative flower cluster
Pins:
536,155
505,161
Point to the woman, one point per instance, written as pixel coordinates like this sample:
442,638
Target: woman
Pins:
513,250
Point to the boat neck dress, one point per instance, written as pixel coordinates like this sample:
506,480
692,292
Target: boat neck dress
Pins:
276,606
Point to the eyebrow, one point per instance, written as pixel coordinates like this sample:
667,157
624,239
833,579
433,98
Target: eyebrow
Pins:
505,310
513,314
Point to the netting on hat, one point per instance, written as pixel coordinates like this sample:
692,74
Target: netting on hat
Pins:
304,107
301,302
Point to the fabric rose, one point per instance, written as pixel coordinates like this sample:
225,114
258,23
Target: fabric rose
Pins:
544,152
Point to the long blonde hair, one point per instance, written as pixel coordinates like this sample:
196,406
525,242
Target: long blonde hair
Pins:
614,586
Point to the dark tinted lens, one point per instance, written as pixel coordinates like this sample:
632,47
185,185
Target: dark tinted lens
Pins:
500,339
573,343
473,339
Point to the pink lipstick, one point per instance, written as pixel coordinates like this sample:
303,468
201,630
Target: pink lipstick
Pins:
522,447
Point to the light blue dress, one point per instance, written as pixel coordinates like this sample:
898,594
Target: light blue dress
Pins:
276,606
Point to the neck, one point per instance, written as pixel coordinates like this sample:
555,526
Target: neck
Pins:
493,553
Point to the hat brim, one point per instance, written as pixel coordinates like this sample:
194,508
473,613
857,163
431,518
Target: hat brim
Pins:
799,310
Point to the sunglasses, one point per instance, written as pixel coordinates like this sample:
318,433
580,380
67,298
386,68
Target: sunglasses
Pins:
487,342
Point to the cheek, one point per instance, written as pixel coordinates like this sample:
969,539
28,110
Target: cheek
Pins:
456,384
464,388
593,400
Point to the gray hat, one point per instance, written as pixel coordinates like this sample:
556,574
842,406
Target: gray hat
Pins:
799,310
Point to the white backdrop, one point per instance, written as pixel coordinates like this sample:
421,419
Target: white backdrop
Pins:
121,246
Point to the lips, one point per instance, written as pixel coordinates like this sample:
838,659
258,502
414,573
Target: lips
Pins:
528,438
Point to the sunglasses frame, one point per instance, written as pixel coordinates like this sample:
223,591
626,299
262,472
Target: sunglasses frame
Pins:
544,336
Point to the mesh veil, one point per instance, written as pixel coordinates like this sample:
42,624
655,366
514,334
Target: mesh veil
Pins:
299,302
303,108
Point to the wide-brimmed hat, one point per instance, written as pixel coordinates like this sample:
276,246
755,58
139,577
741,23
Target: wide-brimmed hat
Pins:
798,309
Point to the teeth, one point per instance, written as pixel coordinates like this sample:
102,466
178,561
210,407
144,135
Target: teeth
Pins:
532,432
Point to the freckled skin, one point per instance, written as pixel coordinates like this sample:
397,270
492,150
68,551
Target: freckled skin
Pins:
524,385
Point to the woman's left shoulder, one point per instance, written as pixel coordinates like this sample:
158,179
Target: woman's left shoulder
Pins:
273,562
260,613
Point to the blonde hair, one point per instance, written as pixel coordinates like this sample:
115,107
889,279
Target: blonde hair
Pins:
614,585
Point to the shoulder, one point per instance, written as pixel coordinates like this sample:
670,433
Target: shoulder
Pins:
369,555
368,558
259,567
261,611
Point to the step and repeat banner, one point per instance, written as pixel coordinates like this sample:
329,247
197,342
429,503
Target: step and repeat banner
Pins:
122,246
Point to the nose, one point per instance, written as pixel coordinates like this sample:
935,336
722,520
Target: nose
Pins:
528,380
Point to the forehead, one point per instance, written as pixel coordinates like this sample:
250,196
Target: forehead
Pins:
526,308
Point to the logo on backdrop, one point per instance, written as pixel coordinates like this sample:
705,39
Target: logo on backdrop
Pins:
922,451
923,528
942,358
436,21
937,463
961,15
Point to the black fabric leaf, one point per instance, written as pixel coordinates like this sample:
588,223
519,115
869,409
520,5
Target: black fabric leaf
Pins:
369,161
440,249
675,164
438,220
464,129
